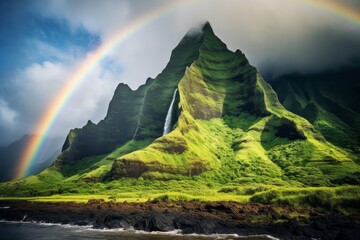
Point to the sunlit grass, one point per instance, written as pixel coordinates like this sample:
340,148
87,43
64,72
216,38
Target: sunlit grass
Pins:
169,196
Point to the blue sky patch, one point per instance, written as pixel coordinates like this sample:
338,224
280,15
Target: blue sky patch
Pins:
22,32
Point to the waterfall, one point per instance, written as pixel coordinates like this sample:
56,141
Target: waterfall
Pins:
167,125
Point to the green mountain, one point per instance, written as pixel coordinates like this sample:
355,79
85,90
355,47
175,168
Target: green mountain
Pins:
230,138
329,101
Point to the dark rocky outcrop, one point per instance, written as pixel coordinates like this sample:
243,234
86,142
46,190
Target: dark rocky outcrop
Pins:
191,217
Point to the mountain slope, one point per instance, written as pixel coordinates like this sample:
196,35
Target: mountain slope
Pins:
329,101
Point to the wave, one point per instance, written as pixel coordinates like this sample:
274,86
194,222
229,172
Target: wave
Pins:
132,230
175,232
178,232
41,223
226,236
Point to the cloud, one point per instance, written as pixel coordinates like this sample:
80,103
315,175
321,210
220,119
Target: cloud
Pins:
7,115
8,125
30,91
35,87
277,36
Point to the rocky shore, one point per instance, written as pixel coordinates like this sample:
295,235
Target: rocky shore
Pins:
284,222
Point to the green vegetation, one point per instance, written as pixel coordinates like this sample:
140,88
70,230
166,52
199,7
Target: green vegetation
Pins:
232,141
343,199
329,101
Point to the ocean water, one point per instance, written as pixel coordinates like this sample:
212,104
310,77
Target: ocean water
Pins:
42,231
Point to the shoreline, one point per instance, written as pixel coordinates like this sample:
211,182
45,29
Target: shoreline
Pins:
175,233
243,219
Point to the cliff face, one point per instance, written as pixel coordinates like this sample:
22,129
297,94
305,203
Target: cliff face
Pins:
117,128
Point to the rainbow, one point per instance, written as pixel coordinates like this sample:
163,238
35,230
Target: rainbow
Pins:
52,112
338,8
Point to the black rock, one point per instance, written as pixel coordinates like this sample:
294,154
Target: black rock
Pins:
156,222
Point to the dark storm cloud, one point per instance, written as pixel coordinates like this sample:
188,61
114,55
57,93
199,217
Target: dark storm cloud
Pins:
326,48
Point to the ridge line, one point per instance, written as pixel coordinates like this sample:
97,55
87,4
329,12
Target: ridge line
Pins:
141,110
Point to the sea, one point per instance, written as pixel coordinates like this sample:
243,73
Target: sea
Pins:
41,231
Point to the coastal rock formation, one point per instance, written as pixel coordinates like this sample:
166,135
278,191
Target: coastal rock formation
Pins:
192,217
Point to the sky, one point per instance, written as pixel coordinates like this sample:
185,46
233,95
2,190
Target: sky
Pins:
43,42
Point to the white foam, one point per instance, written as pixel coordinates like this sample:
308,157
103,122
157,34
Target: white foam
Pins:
41,223
107,229
175,232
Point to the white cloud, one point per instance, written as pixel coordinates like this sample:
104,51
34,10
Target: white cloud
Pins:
7,115
37,86
41,49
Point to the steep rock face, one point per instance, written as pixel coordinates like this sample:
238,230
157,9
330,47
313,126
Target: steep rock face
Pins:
231,120
117,128
329,101
159,95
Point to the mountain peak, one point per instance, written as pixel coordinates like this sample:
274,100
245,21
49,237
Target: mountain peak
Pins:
200,30
206,28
